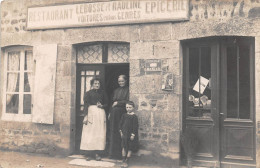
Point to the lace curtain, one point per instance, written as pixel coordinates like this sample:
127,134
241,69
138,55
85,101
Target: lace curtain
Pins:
13,67
29,67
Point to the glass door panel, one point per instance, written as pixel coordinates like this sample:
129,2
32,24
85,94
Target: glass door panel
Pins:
238,82
199,82
85,73
86,77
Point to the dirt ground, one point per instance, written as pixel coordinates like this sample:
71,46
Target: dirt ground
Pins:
30,160
10,159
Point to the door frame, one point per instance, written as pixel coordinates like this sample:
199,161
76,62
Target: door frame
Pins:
78,117
217,41
77,98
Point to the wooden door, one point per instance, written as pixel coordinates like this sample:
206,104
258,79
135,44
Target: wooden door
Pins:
220,113
84,75
201,103
237,129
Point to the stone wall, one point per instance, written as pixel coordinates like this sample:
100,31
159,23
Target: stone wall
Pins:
257,94
159,112
31,138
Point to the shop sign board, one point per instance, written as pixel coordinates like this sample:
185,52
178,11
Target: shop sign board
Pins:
106,13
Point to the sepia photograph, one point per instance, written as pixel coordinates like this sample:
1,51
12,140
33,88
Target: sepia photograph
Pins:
130,84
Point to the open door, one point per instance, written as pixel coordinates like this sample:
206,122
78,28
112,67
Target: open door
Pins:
108,73
84,75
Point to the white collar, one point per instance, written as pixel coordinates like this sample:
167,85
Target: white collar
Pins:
131,113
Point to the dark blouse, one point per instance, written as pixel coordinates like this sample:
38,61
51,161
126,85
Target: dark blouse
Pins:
121,96
93,96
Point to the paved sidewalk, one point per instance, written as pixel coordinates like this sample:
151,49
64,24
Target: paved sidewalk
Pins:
30,160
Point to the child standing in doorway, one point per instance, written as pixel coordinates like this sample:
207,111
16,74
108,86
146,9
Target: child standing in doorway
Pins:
128,128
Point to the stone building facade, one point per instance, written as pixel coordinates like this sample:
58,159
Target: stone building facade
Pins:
162,111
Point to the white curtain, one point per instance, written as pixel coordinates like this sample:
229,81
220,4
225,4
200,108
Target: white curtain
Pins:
29,62
12,77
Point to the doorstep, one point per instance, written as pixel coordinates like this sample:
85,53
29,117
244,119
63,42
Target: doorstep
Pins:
134,162
91,163
80,160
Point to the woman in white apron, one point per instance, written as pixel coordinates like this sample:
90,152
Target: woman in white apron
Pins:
94,124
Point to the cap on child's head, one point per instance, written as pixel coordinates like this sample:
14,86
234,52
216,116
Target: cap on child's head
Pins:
130,103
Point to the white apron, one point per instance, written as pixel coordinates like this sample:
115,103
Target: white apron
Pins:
94,133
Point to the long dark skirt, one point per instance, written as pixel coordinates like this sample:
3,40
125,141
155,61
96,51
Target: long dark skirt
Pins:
115,149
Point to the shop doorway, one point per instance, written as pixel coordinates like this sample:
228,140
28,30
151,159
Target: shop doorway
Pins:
108,73
219,100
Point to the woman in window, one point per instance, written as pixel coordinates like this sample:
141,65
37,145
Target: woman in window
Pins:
119,99
94,124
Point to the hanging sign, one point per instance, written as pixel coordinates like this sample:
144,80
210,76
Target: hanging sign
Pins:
107,13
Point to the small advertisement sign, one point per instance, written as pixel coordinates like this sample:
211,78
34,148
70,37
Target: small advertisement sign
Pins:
167,83
153,65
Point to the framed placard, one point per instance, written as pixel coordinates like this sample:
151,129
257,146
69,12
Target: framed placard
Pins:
167,81
153,65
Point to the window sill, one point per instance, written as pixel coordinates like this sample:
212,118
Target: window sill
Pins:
17,117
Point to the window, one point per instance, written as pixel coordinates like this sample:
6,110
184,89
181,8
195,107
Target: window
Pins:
200,82
118,53
227,84
238,82
86,77
90,54
18,84
103,53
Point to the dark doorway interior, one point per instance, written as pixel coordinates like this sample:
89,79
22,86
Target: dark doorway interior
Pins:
111,75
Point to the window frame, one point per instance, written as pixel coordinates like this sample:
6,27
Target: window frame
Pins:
199,44
105,48
200,109
20,117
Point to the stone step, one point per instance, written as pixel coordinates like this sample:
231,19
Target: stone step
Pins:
91,163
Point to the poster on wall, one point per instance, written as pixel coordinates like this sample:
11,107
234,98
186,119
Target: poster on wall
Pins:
167,81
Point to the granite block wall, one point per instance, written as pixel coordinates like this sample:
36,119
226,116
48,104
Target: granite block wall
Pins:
257,96
159,111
